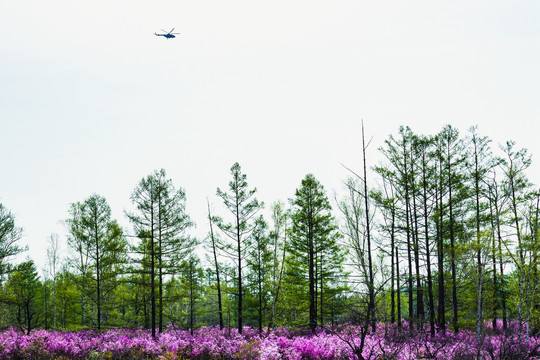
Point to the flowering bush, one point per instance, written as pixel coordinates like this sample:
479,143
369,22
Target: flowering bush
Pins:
387,342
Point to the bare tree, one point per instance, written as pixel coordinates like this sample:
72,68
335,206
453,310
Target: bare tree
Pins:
53,258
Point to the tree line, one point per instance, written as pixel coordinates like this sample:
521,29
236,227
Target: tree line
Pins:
442,233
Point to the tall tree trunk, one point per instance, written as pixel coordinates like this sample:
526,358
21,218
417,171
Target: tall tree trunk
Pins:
152,266
535,263
239,255
316,279
428,255
371,285
311,276
521,263
408,232
214,250
440,253
392,270
416,246
260,310
278,288
398,289
495,306
501,271
98,273
321,291
479,271
160,265
191,298
452,249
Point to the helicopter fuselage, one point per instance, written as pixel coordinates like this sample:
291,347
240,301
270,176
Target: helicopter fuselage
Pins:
168,36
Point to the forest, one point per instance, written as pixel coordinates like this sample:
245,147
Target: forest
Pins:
438,240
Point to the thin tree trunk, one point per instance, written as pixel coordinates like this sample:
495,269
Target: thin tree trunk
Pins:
239,254
191,299
160,265
321,291
371,285
277,291
452,249
501,271
440,254
416,243
152,266
311,276
98,272
479,272
428,255
392,275
260,317
494,261
398,289
409,255
220,308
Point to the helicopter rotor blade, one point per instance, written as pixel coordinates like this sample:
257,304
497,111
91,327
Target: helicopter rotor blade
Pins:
171,31
163,31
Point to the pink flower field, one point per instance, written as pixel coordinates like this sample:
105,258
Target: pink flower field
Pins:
211,343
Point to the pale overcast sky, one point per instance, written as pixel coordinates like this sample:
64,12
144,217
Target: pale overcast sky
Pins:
91,101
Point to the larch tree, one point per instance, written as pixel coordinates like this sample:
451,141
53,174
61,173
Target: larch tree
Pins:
100,238
453,158
398,153
259,262
427,170
191,283
160,222
497,206
242,206
479,164
518,191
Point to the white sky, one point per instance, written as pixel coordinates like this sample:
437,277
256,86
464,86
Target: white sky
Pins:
91,101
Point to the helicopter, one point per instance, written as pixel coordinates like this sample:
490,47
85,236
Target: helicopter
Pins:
168,35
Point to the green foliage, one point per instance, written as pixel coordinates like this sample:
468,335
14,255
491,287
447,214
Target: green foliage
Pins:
243,206
454,237
315,262
24,290
100,249
10,234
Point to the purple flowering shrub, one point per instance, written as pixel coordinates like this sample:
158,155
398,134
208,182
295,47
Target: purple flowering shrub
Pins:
387,342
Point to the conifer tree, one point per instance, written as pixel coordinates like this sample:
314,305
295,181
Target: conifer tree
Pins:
259,262
24,288
313,243
160,223
243,206
99,241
